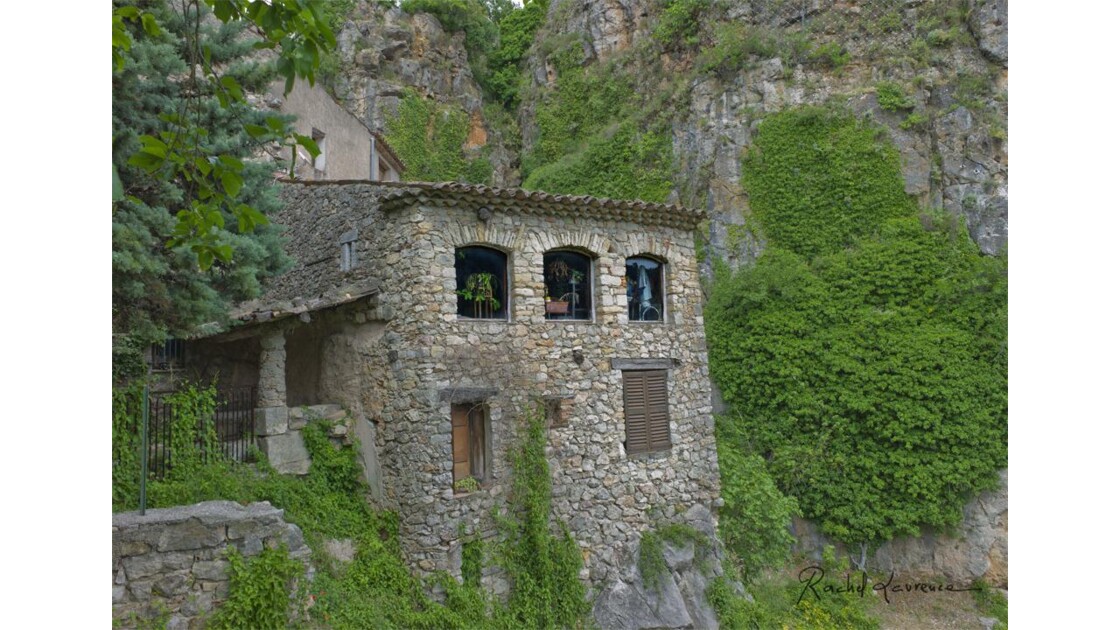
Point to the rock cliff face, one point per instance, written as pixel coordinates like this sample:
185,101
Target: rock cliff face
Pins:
384,53
749,58
952,66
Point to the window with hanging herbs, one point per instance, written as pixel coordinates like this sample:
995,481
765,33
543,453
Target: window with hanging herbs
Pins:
567,281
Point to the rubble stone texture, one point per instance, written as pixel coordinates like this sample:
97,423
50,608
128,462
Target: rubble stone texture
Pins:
400,356
173,560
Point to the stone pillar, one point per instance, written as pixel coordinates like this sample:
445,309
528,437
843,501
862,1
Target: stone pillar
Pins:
285,449
272,395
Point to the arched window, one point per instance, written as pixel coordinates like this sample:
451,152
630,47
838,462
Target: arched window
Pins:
481,283
645,294
567,282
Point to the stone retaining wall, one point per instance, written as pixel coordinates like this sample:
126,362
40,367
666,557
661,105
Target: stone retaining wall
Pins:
172,561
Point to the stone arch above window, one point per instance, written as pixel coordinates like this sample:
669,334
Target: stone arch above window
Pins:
568,285
481,282
645,289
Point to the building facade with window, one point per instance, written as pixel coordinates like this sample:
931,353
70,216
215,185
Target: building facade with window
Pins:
461,308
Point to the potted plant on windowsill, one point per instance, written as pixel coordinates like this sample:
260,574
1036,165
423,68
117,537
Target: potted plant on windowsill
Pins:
559,272
479,289
466,485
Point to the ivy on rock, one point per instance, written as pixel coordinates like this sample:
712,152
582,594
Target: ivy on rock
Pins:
864,354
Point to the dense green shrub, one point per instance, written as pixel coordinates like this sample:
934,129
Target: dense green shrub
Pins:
679,25
517,28
819,179
467,16
891,97
868,366
581,103
260,591
623,165
754,521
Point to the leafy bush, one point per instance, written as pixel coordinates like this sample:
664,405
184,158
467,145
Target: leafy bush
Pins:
818,179
429,139
260,591
680,23
466,16
776,605
829,55
891,97
754,520
517,28
868,365
623,165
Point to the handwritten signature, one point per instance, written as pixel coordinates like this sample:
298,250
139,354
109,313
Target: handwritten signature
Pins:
813,580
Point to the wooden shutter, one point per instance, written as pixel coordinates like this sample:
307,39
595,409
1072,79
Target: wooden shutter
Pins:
645,400
460,442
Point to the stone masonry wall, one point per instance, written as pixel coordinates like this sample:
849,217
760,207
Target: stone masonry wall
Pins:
431,359
425,358
173,560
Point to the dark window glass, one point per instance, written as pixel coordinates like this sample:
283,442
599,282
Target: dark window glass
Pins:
644,290
480,283
567,282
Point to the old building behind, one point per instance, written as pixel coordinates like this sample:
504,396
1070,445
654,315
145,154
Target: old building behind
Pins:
348,148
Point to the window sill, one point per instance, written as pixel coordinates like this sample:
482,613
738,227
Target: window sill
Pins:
648,455
484,320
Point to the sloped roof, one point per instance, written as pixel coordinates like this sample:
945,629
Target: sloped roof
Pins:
397,195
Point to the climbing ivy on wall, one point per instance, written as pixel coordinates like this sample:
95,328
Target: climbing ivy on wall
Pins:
864,355
429,138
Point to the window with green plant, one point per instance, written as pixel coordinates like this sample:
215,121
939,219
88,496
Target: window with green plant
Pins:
567,282
481,283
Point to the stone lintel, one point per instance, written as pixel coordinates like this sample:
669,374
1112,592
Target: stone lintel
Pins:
467,394
644,364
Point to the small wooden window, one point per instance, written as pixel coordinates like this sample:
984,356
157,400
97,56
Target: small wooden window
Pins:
470,455
645,399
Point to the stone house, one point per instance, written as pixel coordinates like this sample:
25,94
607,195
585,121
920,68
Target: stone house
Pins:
437,314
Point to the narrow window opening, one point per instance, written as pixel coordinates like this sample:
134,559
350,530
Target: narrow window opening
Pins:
348,256
470,446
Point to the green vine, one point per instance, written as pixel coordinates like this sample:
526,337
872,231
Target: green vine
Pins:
543,566
260,591
429,139
818,179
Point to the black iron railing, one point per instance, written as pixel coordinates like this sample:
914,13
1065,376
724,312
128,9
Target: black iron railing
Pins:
232,420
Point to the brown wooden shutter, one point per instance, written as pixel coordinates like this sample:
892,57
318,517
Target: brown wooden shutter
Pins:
460,442
645,399
657,409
